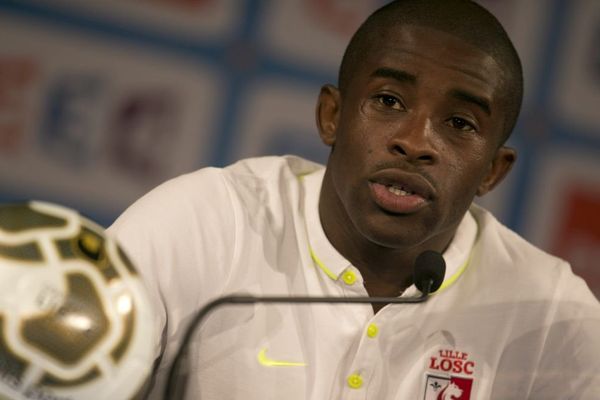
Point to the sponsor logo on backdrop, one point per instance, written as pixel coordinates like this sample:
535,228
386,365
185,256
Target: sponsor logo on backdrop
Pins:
578,236
144,133
17,79
66,96
137,130
449,375
69,126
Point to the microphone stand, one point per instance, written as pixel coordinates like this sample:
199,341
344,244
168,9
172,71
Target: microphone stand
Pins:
178,373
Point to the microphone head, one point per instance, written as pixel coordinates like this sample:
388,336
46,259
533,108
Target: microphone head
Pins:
429,266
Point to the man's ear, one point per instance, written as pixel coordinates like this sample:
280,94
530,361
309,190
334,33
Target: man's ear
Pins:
501,164
328,113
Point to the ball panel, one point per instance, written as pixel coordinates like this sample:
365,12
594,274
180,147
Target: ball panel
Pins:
21,217
64,247
71,332
11,365
28,252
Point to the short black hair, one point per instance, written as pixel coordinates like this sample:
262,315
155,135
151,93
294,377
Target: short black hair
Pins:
464,19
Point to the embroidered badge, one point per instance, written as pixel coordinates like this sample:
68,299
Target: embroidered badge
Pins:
449,376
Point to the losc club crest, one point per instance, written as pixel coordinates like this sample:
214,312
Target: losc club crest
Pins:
449,376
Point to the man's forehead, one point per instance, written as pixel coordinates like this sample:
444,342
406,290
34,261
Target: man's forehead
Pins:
468,24
409,47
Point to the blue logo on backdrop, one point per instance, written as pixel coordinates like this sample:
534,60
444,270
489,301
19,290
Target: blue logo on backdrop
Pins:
68,124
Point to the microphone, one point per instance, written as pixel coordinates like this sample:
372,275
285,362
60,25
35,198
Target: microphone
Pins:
428,275
430,268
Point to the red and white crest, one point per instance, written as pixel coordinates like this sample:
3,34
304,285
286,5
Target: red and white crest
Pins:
449,375
447,388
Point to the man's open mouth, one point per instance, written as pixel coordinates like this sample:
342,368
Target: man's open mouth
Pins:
399,190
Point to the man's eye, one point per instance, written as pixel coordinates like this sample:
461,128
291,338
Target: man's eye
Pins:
461,124
389,101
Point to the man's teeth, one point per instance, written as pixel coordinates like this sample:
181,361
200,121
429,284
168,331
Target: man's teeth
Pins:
398,192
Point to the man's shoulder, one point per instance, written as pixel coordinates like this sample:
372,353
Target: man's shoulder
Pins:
270,167
266,179
515,259
248,184
252,173
508,244
514,265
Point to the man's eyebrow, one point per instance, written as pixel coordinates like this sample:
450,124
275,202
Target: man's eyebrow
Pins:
399,75
471,98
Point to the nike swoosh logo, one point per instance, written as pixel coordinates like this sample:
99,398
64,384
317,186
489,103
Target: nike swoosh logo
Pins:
268,362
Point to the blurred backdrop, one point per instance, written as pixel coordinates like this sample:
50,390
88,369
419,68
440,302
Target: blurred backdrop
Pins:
102,100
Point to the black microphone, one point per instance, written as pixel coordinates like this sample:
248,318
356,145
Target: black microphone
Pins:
428,275
430,267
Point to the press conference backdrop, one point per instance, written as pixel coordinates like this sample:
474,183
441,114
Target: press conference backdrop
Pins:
102,100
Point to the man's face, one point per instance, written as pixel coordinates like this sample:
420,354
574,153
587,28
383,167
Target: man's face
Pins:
415,136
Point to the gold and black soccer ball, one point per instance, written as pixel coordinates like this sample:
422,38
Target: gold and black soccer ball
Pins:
75,320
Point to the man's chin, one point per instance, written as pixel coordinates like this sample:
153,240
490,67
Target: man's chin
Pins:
395,239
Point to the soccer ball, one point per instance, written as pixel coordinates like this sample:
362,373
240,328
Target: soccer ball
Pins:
75,320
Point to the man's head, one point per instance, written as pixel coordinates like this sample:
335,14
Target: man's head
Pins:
428,93
464,19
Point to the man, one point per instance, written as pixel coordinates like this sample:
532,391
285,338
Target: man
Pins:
428,93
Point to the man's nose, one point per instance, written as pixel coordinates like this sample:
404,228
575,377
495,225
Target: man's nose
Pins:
415,140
